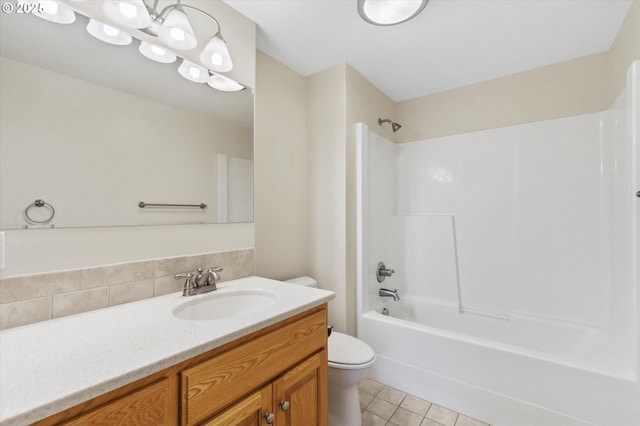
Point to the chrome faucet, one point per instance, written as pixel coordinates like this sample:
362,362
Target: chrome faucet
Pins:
203,283
385,292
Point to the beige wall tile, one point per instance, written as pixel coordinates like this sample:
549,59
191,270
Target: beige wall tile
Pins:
25,312
118,273
167,284
177,265
80,301
39,285
130,292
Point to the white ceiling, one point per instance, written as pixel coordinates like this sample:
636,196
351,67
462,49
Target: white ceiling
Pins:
452,43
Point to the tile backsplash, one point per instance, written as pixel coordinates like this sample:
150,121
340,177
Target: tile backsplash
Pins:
26,299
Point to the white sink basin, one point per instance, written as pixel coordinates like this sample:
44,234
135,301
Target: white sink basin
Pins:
220,305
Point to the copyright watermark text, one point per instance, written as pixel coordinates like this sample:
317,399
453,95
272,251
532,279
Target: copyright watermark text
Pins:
23,7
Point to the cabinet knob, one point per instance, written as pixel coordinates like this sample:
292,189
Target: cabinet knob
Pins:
269,417
284,405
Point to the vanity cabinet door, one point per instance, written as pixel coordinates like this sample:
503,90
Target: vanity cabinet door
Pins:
251,411
300,395
214,384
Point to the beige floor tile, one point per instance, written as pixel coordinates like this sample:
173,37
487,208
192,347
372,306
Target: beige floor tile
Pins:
442,415
416,405
468,421
370,386
391,395
429,422
404,417
370,419
365,399
382,408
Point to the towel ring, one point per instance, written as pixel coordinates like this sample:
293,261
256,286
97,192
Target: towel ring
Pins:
39,203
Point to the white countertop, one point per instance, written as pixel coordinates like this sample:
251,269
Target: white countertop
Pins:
53,365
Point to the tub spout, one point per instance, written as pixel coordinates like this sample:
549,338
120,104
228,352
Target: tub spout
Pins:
385,292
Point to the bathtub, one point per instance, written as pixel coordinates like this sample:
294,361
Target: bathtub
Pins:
494,370
516,259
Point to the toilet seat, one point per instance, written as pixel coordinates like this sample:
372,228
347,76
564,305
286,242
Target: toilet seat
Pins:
349,353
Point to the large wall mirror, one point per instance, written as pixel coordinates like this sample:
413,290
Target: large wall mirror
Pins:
94,129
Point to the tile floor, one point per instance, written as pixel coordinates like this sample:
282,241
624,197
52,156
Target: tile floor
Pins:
385,406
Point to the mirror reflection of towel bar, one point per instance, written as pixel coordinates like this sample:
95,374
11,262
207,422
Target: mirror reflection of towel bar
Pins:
142,205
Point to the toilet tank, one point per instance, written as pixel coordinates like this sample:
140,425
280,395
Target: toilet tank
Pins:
305,281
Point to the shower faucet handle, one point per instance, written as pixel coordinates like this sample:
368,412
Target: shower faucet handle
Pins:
382,272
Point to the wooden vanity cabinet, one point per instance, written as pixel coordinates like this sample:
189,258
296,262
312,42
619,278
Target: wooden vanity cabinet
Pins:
289,358
292,400
281,369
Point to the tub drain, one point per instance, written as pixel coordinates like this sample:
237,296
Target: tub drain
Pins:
385,311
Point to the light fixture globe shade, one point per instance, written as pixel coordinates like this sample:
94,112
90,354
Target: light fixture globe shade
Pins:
193,72
130,13
157,53
215,55
389,12
51,11
220,82
107,33
176,31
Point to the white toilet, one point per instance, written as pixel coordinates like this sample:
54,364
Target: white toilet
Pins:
350,361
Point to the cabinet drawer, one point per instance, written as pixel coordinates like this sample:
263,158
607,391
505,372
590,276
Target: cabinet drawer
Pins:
151,405
223,379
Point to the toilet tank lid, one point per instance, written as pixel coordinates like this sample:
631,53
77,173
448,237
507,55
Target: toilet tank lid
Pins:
306,281
345,349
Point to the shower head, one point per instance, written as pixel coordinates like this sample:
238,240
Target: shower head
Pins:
395,126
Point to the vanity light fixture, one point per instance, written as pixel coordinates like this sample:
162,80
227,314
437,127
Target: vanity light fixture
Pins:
157,53
389,12
171,28
49,10
108,34
220,82
193,72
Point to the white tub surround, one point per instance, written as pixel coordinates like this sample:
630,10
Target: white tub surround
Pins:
516,261
53,365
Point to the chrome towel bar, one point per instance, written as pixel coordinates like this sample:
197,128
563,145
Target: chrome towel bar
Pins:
142,205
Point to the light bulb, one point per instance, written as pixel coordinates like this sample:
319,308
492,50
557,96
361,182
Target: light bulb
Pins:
107,33
156,53
176,31
129,13
215,55
193,72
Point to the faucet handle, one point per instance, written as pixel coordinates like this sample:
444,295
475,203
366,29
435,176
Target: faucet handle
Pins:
214,272
187,275
189,285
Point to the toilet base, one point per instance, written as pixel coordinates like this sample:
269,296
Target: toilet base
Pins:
344,406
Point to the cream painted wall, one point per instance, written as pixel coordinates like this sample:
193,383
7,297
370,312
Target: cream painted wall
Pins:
364,103
579,86
281,187
625,49
337,98
326,121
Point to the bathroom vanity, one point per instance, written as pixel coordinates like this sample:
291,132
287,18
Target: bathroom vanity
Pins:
140,363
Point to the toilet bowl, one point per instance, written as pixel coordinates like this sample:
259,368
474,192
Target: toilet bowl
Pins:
350,361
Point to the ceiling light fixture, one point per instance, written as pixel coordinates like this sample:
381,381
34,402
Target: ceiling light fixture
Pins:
108,34
389,12
170,27
49,10
220,82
